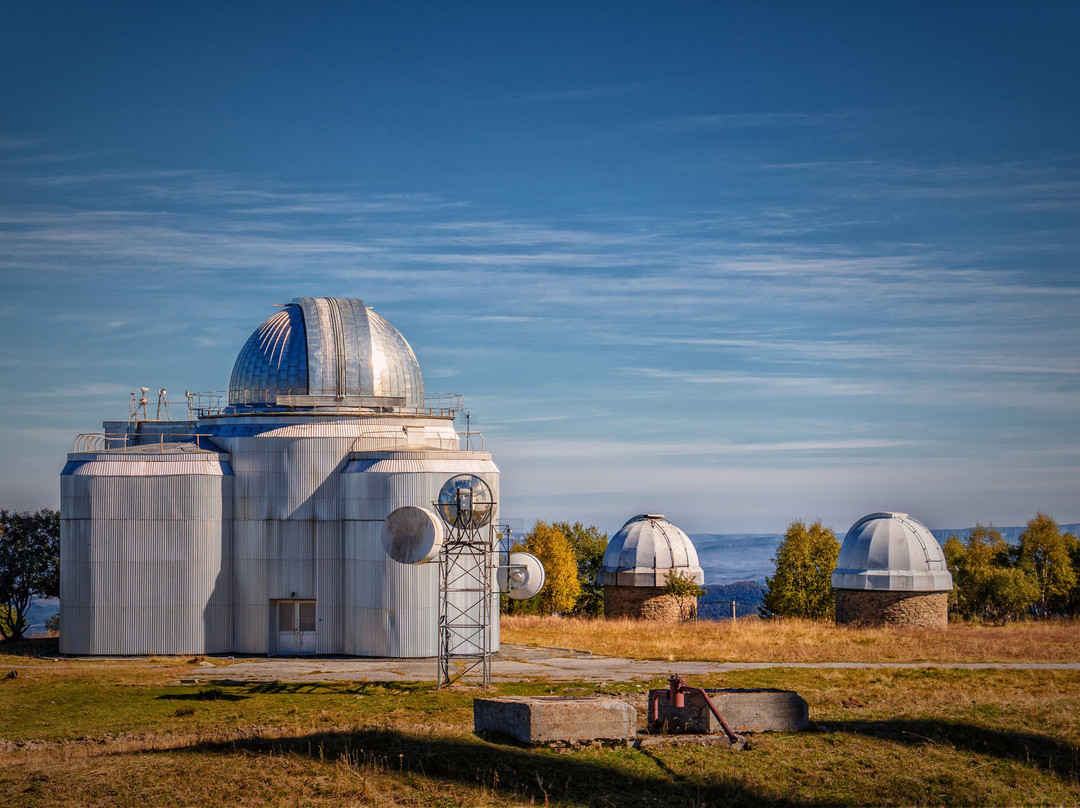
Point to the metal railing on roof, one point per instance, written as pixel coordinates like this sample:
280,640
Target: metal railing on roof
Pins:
89,442
213,403
469,437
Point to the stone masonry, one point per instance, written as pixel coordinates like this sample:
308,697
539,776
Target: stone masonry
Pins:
867,607
647,603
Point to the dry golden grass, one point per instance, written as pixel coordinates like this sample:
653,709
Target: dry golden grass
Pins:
790,640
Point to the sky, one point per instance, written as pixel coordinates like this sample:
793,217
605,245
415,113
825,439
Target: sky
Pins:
738,263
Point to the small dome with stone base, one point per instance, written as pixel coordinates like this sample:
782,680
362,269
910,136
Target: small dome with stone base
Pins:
637,563
891,571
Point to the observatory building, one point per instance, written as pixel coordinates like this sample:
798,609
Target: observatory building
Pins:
636,566
255,525
891,571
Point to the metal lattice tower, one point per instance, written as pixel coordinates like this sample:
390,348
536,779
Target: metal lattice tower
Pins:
465,594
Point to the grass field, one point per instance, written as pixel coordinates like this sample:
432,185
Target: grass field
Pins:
127,733
802,640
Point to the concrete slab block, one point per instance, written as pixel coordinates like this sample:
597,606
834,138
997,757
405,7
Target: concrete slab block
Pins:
744,710
547,719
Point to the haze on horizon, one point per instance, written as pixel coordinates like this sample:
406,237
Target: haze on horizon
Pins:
734,263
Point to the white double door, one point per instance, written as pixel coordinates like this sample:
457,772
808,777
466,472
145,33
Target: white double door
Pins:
296,627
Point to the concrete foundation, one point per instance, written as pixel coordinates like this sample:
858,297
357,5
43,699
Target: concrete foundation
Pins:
744,710
548,719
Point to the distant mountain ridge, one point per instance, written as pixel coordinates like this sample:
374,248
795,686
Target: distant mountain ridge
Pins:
41,609
723,601
727,558
1010,534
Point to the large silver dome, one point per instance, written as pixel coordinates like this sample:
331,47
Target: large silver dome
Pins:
318,351
645,550
892,552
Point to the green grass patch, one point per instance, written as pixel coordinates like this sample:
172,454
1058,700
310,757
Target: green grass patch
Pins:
125,733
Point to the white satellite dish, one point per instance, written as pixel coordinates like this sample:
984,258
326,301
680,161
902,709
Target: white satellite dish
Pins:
412,535
522,578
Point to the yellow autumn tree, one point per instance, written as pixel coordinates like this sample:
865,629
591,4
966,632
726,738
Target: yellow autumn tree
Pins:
561,585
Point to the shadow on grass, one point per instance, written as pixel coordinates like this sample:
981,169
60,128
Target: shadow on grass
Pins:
351,688
30,647
1028,748
512,772
210,694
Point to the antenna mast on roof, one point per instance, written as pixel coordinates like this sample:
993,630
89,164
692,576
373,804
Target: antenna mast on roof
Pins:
138,400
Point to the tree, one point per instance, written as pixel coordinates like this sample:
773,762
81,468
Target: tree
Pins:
561,587
955,553
588,544
680,584
974,564
29,565
1007,592
1044,553
801,585
987,584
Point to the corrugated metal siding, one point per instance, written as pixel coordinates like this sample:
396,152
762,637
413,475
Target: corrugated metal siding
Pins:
397,604
145,560
289,532
163,554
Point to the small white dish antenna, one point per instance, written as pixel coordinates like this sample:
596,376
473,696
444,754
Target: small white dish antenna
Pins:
522,578
412,535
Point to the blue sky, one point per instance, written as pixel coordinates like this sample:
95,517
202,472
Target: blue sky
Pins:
739,263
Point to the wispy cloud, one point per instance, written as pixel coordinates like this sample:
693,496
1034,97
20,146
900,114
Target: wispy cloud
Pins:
606,451
748,120
14,143
1030,185
572,94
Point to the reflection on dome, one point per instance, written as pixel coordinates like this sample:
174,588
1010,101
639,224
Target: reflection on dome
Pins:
322,351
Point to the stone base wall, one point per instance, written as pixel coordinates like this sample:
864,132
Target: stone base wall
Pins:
868,607
647,603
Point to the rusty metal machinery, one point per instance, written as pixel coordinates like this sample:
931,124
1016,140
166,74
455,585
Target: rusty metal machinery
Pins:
676,699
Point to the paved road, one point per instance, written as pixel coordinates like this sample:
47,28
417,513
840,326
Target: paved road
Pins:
521,662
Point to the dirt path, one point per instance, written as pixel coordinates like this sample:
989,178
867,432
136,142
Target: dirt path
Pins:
521,662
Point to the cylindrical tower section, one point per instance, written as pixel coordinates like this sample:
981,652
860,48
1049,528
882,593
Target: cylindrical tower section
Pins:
392,609
290,537
287,535
145,552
